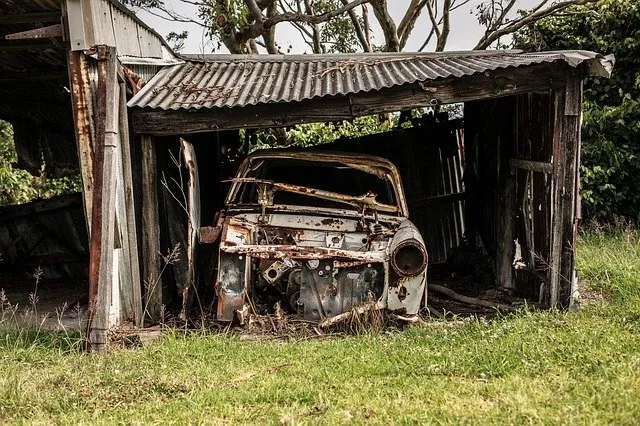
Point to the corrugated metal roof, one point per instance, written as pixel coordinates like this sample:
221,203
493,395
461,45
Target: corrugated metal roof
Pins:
216,81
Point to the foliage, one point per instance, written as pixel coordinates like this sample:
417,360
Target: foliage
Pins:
177,40
19,186
306,135
530,367
611,126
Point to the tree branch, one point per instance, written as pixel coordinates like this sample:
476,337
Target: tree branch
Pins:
516,24
312,19
387,24
364,41
446,26
409,19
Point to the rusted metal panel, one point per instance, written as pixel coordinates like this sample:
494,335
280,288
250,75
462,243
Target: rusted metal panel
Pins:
318,260
240,80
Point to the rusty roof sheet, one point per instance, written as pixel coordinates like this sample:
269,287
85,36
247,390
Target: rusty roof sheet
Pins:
213,81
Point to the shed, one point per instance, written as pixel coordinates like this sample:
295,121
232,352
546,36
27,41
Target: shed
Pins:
499,185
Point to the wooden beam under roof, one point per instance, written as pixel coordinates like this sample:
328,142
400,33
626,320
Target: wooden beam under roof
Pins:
52,75
28,18
33,44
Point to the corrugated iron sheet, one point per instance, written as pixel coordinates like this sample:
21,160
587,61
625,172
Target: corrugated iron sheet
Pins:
238,80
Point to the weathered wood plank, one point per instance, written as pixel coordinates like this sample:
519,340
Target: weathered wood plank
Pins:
494,84
38,207
534,166
133,295
570,194
33,17
193,227
506,203
150,232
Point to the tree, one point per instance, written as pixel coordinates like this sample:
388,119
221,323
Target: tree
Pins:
611,125
243,26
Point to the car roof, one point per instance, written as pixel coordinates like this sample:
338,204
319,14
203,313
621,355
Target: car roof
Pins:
310,155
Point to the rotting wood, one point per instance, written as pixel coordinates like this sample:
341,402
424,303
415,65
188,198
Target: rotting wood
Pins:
32,44
557,200
103,219
37,33
506,208
469,300
498,83
28,18
132,295
193,225
534,166
570,193
38,207
150,232
82,117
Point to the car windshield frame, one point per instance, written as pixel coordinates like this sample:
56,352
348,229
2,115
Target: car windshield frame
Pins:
382,169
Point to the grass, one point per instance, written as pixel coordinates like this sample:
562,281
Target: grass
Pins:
531,367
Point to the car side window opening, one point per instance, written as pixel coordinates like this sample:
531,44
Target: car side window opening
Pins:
328,176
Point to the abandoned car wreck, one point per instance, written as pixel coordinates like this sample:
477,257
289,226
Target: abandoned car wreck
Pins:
162,144
316,251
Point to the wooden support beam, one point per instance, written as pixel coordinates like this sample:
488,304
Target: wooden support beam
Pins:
131,296
506,208
193,226
490,85
534,166
566,139
101,242
53,75
39,207
571,183
29,18
150,231
32,44
37,33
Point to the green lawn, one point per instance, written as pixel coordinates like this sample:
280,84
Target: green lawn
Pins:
532,367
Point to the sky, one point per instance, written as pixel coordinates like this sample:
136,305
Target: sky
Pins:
465,30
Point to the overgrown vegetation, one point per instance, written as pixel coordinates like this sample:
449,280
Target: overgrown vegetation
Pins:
611,127
530,367
18,186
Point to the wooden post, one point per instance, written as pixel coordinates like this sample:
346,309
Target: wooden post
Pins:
83,122
193,207
150,231
571,194
131,294
103,217
507,201
566,137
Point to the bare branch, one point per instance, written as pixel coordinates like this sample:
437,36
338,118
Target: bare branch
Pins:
433,18
364,41
446,26
317,45
387,24
409,20
537,14
312,19
367,27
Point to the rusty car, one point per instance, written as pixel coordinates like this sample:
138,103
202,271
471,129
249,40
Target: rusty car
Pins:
317,234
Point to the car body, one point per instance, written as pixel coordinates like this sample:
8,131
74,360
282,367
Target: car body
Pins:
317,233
